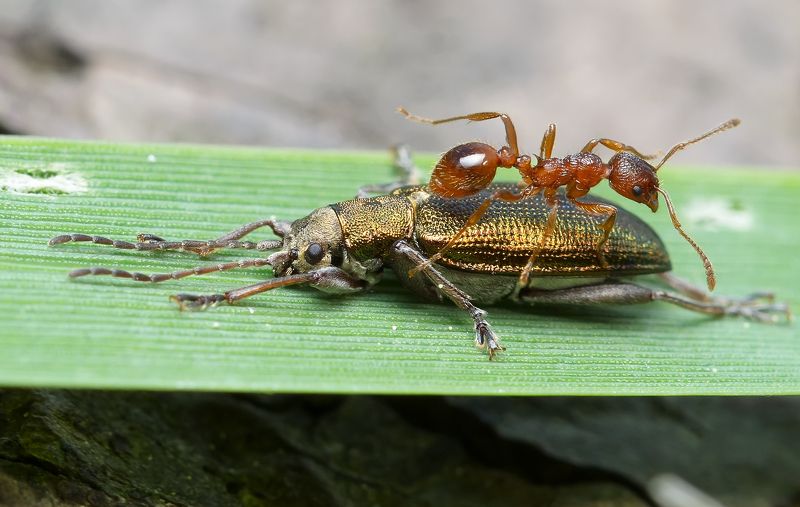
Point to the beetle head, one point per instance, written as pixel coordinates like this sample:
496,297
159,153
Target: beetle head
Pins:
634,179
313,242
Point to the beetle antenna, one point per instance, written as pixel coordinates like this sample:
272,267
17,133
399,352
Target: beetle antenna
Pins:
711,279
678,147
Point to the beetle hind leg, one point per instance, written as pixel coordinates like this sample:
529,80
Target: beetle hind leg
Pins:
614,292
759,305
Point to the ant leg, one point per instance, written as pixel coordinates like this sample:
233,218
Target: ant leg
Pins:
615,146
549,138
549,227
148,242
503,195
613,292
405,165
332,279
162,277
511,132
611,217
484,336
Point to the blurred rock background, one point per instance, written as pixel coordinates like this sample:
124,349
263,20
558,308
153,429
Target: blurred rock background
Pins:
329,75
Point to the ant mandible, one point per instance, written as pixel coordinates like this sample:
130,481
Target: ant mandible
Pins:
469,168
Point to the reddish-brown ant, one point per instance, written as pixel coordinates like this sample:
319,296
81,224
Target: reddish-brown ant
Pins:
469,168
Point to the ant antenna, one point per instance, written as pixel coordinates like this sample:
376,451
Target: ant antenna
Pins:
711,279
678,147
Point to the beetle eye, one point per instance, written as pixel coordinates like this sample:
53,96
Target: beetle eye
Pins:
637,190
314,253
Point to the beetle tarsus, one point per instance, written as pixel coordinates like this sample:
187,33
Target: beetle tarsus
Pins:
486,338
149,238
759,306
761,312
196,302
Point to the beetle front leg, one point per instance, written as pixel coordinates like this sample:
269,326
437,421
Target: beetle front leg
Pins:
329,279
484,336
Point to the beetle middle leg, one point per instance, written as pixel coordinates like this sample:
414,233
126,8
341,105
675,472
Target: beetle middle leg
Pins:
484,336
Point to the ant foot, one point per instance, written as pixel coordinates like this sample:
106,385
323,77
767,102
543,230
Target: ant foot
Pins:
195,302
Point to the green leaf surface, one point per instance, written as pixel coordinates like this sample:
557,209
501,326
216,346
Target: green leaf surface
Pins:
114,333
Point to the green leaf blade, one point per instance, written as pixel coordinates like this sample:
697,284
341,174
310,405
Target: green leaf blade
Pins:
114,333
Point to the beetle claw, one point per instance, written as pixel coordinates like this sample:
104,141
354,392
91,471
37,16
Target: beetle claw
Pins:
486,338
195,302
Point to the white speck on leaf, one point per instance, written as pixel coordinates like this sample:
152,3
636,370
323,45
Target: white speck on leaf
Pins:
51,178
151,158
717,214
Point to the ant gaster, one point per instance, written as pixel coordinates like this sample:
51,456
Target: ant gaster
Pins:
469,168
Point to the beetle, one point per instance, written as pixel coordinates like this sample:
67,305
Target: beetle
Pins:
344,247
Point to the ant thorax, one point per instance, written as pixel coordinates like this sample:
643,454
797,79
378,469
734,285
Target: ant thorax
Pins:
580,171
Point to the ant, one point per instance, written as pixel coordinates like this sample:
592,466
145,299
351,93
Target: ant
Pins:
469,168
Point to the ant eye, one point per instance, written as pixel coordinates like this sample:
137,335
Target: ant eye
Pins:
637,190
314,253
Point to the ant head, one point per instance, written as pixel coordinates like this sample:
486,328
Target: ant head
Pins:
464,170
634,178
